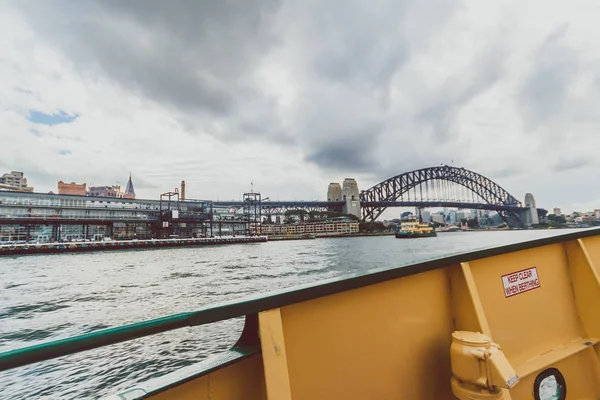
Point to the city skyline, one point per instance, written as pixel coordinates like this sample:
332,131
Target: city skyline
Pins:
478,84
77,188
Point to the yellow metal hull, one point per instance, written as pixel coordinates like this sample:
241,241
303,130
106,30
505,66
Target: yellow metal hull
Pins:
389,334
391,339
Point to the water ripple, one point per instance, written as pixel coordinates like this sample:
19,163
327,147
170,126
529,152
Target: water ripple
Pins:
58,296
27,311
31,335
14,285
179,275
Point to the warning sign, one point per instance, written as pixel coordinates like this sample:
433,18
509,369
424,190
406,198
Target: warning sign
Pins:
520,282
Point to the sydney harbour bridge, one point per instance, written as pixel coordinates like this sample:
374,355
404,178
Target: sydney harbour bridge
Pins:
439,186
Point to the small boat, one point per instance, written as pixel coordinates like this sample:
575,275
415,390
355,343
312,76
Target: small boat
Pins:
413,228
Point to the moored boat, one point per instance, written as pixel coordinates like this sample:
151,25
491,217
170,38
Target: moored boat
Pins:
515,322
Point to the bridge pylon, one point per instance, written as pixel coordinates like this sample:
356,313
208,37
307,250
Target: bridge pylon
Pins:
351,197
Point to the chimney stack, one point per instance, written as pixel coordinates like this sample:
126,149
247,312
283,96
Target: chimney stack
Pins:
182,192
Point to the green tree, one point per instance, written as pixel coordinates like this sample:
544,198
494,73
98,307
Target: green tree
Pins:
371,226
351,216
560,219
472,223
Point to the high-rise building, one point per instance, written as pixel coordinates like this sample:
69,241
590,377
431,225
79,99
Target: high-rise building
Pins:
557,211
426,216
478,213
452,214
15,180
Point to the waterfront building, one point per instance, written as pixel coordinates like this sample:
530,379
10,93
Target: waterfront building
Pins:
439,218
105,191
113,191
72,188
15,180
97,191
585,218
333,226
48,217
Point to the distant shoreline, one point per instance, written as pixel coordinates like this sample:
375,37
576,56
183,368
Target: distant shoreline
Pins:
276,238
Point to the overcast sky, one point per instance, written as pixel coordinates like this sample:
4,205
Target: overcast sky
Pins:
292,95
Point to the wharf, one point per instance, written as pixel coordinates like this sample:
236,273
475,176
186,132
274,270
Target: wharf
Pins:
354,234
274,238
71,247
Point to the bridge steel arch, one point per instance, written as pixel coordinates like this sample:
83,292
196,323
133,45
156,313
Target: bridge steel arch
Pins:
390,190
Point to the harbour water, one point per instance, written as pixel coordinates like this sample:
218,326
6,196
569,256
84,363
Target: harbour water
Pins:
49,297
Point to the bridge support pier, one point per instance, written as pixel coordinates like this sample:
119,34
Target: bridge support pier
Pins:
531,215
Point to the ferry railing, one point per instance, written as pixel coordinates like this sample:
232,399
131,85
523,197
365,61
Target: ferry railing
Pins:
250,307
63,347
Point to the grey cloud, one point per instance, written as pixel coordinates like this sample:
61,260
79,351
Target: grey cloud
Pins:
364,45
465,85
571,163
505,172
405,159
353,152
140,182
195,57
201,60
22,90
357,43
544,91
36,174
351,56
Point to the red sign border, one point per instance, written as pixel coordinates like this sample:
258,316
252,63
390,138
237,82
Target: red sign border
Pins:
524,291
